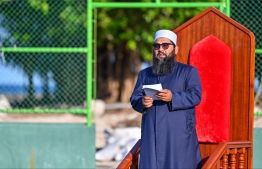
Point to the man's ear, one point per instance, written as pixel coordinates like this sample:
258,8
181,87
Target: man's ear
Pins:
176,49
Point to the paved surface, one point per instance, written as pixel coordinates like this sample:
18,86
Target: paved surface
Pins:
106,164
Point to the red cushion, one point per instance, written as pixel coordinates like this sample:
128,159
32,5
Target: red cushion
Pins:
212,57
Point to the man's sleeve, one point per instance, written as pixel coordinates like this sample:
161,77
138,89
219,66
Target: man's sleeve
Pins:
191,96
137,95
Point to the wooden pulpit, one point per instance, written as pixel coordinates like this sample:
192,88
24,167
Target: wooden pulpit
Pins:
224,53
241,42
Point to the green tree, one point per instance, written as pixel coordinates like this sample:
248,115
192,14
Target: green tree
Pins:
124,40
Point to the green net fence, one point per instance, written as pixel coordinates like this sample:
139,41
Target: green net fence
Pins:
48,72
248,13
44,57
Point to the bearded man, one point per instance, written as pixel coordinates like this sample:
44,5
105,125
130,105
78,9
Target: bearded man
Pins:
168,133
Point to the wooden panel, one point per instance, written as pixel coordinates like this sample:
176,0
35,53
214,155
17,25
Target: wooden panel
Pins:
207,149
242,44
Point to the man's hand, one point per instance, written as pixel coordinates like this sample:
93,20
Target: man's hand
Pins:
165,95
147,101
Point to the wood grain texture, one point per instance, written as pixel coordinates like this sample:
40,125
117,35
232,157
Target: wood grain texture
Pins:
242,44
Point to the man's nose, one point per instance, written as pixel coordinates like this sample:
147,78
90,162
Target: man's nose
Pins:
161,48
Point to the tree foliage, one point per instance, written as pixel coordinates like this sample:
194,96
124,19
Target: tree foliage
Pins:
125,38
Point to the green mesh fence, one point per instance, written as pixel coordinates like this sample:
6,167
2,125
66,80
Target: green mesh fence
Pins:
248,13
47,72
45,64
49,80
43,61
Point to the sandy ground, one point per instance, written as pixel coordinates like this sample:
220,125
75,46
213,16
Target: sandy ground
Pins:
107,164
110,119
257,122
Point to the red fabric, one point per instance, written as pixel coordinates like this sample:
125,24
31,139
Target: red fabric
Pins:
212,57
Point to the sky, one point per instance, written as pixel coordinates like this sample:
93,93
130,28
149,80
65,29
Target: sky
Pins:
15,76
12,76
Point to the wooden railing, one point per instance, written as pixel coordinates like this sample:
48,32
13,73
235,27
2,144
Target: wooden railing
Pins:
131,159
227,155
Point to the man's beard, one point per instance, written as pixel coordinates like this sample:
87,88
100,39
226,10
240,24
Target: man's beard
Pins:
165,66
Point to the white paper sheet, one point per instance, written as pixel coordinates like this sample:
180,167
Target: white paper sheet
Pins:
152,90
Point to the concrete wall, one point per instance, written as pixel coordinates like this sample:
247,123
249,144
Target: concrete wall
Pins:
47,145
257,148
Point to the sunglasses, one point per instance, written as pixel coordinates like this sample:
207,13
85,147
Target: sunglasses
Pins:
165,46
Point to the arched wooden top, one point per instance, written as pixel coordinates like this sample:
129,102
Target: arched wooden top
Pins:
218,13
212,21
